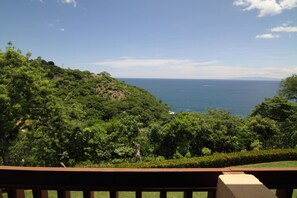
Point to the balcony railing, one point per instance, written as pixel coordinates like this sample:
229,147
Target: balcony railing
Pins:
14,180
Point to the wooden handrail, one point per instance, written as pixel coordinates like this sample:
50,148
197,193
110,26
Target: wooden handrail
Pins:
88,180
282,179
272,177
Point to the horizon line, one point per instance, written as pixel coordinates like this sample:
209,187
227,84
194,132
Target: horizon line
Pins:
235,79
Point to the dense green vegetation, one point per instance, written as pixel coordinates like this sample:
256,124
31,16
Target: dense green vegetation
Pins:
51,115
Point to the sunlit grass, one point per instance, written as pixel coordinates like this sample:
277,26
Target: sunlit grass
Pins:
79,194
279,164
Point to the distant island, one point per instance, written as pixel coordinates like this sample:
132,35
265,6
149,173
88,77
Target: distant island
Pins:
256,78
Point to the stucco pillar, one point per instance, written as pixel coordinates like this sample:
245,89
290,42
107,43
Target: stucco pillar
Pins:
241,186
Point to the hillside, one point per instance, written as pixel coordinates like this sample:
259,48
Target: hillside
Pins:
103,97
51,115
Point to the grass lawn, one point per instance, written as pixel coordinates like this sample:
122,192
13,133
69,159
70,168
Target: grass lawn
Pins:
280,164
53,194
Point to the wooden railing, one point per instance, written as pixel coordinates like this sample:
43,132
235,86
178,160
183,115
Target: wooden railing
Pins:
14,180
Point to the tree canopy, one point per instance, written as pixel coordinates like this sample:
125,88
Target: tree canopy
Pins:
289,87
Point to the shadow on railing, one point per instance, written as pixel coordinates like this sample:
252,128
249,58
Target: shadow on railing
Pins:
14,180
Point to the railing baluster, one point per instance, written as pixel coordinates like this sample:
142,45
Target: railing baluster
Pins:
163,194
37,193
138,194
211,194
63,194
88,194
188,194
113,194
15,193
284,193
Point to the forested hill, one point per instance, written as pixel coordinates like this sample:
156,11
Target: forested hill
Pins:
51,115
101,97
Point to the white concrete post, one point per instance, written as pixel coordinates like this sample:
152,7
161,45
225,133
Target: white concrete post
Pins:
241,186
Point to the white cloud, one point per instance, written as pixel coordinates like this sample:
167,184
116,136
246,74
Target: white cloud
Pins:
70,2
288,4
189,69
41,1
266,7
50,25
284,28
73,2
128,62
267,36
62,29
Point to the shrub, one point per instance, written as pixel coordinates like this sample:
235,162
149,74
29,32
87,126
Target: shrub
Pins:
206,151
216,160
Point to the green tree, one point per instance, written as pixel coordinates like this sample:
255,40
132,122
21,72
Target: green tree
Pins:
277,112
276,108
175,137
16,95
289,131
267,131
289,87
27,100
227,133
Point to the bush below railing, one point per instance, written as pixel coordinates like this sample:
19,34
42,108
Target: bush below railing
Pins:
216,160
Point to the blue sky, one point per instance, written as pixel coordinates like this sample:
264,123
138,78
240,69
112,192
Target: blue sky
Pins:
197,39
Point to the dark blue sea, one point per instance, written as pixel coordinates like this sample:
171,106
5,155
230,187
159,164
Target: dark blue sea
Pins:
237,96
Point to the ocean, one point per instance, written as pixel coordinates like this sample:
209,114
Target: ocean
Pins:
237,96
